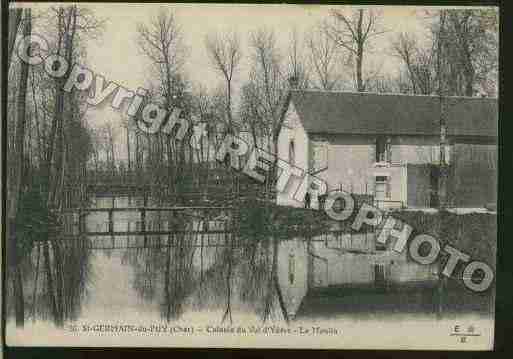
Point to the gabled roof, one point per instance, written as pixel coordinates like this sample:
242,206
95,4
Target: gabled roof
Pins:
331,112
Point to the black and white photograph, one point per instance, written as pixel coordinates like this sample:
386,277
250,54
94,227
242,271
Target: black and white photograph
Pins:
250,176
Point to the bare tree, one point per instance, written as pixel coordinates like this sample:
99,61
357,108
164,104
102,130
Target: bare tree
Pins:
419,63
268,84
324,57
297,67
225,55
162,43
128,154
461,58
49,154
250,111
110,140
471,44
73,22
353,32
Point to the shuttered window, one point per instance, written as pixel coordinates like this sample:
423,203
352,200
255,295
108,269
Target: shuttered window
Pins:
383,149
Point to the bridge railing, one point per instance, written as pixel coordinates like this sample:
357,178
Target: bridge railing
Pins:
76,226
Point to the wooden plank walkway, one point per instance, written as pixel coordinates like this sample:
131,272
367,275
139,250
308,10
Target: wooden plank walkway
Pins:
149,209
92,244
147,233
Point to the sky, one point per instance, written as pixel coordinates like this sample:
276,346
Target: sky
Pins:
117,57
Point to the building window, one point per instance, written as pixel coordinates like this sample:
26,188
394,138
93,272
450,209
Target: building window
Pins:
292,153
383,186
383,149
382,191
319,155
292,268
434,176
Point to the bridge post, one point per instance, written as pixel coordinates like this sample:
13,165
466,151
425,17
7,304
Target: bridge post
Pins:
143,219
82,194
143,211
80,222
145,198
111,221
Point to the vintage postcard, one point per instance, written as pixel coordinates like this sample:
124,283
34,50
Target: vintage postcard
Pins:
251,176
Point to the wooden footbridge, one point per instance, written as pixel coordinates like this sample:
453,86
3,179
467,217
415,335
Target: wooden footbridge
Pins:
141,221
148,226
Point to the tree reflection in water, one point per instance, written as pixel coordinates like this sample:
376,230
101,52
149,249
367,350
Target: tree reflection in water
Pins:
57,275
186,270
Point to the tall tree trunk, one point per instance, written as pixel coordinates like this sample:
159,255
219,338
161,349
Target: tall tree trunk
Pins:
442,126
57,256
59,182
14,23
36,278
442,166
359,56
49,280
229,102
66,31
59,161
59,102
167,293
359,79
17,188
69,37
20,129
279,294
228,311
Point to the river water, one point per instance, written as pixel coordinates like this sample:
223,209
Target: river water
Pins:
129,286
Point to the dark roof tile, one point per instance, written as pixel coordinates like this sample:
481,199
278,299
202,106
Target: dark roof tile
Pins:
370,113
